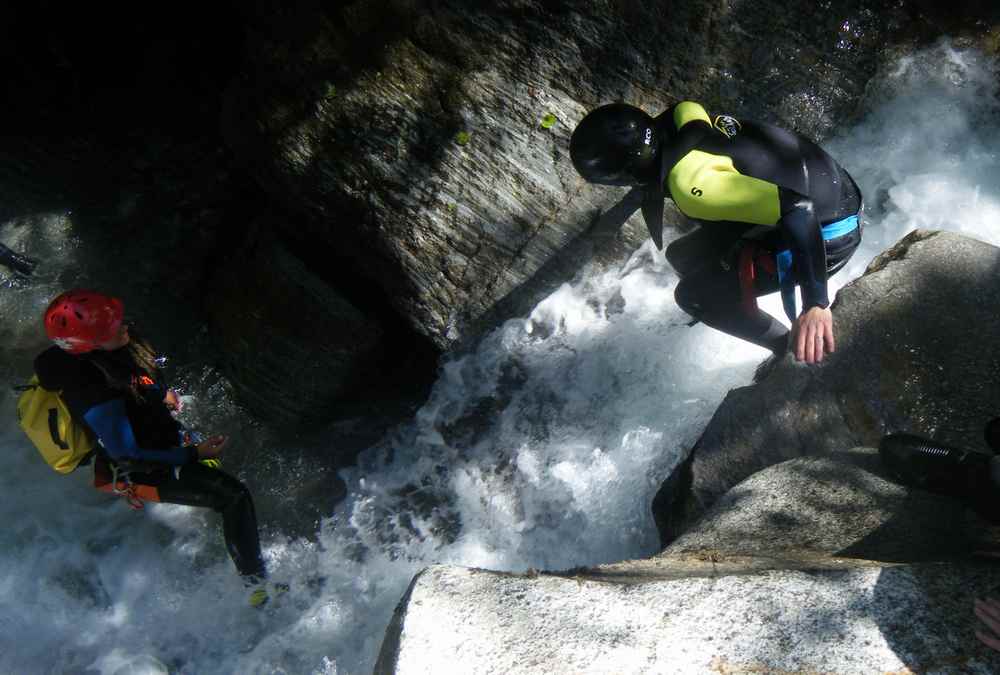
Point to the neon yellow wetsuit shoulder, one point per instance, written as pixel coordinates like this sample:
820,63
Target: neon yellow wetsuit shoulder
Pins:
707,186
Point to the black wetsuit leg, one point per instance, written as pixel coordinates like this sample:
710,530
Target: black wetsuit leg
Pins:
199,485
711,293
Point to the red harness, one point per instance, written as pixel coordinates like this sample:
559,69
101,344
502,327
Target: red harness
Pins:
751,257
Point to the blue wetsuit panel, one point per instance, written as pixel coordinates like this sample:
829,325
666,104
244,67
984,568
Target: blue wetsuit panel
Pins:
110,423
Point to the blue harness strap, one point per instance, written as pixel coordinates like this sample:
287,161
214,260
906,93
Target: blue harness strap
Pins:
786,280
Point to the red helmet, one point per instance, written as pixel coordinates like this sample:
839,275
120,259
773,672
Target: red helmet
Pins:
80,321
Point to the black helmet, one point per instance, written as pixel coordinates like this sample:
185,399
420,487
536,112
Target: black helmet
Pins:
616,144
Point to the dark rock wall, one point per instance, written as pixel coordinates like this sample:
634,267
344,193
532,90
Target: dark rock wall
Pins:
110,116
410,135
292,342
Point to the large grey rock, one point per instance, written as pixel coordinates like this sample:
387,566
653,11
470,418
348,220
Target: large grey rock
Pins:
817,564
837,504
862,619
914,354
409,134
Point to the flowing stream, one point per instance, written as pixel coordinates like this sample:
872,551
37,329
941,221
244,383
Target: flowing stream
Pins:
542,448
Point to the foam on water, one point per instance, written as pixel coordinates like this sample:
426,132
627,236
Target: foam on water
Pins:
541,448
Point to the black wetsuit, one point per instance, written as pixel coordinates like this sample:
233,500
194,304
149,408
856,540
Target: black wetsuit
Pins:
754,185
142,437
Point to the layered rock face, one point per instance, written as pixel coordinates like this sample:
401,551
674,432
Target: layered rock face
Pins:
426,144
804,556
423,147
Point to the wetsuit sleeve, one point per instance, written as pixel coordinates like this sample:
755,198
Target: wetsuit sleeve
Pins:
109,421
808,250
708,187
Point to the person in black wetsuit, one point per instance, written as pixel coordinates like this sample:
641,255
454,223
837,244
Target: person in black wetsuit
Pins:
775,211
112,385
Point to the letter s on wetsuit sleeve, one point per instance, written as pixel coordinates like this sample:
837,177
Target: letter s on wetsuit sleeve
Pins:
798,220
110,422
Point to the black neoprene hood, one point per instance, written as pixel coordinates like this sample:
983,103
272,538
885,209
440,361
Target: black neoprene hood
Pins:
616,144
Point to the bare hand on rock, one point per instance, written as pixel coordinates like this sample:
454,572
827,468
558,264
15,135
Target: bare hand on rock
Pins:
812,335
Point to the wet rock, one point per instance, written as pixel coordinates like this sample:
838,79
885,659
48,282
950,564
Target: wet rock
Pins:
817,564
421,146
841,504
857,619
410,135
291,345
913,355
814,564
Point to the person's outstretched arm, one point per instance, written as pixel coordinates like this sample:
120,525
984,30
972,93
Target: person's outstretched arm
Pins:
812,330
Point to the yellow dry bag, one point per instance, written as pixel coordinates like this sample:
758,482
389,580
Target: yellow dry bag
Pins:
45,418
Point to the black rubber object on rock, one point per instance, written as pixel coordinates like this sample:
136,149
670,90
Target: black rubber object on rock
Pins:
927,464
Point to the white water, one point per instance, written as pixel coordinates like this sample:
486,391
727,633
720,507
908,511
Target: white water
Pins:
542,449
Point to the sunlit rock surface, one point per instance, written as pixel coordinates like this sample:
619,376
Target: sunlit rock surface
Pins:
915,353
419,149
782,576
